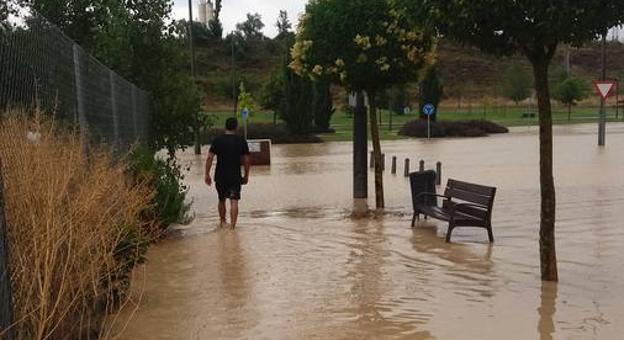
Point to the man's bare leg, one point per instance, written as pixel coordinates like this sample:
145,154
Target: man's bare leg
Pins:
222,213
234,212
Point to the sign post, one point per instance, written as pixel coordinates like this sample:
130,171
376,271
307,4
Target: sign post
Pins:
429,110
604,88
245,115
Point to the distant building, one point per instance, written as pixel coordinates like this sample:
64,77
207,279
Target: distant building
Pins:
206,12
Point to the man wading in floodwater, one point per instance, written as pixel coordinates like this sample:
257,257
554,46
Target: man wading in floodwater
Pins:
231,150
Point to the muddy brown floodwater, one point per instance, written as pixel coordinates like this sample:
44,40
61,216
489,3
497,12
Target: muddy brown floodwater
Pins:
299,268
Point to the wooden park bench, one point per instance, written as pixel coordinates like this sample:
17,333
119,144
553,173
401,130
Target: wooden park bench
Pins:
463,205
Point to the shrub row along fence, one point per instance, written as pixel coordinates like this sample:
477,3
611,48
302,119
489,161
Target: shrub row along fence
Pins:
43,70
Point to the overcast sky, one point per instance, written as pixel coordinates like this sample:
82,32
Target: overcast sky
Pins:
235,11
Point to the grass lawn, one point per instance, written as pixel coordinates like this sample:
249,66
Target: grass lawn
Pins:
509,117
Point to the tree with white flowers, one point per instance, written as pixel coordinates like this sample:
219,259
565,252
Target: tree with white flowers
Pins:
362,45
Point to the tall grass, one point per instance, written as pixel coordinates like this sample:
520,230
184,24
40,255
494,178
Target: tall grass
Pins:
71,220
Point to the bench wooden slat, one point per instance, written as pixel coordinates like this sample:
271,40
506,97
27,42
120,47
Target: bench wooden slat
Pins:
476,188
472,211
468,196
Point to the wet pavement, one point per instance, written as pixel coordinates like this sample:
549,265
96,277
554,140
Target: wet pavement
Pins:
298,267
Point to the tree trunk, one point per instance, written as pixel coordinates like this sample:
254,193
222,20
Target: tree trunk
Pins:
548,257
379,193
569,112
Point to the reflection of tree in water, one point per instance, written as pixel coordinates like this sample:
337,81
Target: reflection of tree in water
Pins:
366,273
546,310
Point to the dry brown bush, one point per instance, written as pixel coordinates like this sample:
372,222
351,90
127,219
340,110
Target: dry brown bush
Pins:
66,217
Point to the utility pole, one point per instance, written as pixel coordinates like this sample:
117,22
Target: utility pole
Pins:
233,36
193,74
602,121
360,154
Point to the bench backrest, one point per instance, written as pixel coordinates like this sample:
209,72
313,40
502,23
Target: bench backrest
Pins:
481,195
420,182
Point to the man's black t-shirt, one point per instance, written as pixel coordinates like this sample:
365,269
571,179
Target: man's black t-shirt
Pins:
229,149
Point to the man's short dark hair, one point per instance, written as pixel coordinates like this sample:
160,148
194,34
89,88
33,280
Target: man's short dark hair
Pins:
231,124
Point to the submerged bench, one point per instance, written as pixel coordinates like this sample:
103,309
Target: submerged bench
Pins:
464,205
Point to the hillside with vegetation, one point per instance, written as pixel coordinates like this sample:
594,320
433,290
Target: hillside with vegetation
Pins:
468,76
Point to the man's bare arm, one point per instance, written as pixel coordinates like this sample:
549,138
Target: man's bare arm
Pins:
247,166
209,160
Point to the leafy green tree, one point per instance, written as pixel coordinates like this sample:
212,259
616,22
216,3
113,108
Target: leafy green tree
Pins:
323,106
283,24
252,27
218,7
215,27
569,91
273,94
363,45
295,109
245,101
534,28
431,92
141,43
4,12
236,41
202,35
399,99
81,20
516,84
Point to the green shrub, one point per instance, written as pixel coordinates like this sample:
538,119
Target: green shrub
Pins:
472,128
169,204
278,134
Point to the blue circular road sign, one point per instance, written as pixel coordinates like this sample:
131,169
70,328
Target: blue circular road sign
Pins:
428,109
245,113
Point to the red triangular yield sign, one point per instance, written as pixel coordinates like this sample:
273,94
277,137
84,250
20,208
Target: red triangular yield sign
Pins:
604,87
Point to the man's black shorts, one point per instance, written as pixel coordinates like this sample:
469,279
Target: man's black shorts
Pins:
228,191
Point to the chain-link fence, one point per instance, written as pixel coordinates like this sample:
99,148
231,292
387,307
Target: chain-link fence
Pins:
43,71
41,68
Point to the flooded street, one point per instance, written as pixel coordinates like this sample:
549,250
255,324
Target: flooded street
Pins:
298,267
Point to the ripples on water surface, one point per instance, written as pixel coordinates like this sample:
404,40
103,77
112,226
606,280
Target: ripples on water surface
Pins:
299,267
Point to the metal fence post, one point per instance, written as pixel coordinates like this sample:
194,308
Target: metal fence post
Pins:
6,298
113,89
80,98
134,113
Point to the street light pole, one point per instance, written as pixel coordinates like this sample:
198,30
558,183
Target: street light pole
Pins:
602,121
233,36
193,74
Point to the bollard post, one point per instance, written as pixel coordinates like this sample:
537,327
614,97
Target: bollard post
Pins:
383,162
407,165
394,159
372,160
422,165
439,173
